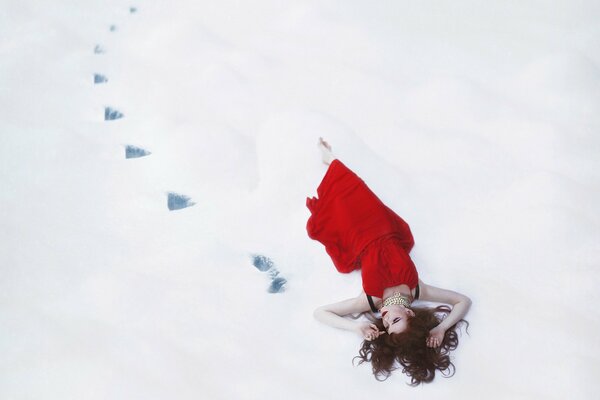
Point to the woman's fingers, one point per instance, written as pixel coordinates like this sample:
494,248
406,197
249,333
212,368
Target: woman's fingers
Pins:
373,333
435,338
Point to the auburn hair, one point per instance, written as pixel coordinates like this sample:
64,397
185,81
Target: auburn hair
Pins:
409,349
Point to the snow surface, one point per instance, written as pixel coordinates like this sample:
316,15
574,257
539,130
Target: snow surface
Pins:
477,121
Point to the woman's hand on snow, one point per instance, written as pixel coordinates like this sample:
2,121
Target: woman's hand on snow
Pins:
368,330
436,336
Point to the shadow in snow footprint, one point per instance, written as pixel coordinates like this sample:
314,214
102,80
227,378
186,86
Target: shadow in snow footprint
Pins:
265,264
177,201
98,78
135,152
99,49
110,114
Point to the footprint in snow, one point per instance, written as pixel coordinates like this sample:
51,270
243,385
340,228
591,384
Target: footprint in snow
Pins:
265,264
135,152
111,114
177,201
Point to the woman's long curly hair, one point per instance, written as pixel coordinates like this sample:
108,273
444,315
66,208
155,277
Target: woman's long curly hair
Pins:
409,348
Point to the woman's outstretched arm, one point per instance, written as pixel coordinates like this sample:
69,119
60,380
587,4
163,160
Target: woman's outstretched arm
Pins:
333,315
460,306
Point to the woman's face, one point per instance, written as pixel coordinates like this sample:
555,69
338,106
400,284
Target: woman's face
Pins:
395,318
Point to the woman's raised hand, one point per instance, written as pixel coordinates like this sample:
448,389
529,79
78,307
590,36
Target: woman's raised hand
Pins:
368,330
436,336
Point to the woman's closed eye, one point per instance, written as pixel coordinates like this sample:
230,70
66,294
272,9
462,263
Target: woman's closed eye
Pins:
396,320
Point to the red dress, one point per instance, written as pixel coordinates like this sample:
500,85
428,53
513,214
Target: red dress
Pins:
359,231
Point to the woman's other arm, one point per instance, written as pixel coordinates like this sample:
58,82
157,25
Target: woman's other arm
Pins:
459,302
333,315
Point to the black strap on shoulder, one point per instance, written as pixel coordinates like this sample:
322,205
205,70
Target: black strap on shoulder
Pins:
417,292
371,304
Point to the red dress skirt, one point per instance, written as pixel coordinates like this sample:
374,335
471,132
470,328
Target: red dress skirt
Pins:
360,232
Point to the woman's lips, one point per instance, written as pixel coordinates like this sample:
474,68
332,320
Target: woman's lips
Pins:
383,313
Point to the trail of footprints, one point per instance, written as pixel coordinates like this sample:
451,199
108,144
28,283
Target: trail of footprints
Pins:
177,201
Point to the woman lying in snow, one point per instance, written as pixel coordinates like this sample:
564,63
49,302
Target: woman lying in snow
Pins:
360,232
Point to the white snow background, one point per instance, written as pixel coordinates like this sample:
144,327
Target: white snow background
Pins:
476,121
